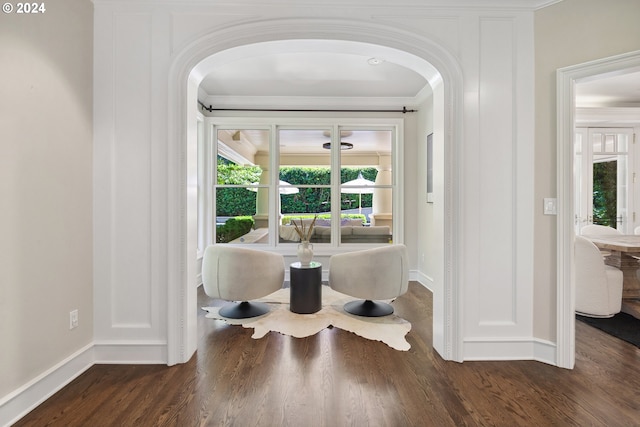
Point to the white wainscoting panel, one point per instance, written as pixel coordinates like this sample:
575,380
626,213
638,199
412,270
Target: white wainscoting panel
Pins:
497,173
498,215
129,291
131,151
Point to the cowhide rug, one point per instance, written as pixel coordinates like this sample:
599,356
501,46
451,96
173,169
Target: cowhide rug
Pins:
391,329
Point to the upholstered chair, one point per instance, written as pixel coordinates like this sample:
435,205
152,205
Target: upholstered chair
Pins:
240,275
598,286
370,274
595,229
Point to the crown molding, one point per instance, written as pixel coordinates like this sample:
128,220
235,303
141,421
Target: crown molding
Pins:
530,5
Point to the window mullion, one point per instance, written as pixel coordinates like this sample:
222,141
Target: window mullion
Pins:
274,179
336,205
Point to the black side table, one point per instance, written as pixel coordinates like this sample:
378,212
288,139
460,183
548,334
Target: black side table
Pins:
306,287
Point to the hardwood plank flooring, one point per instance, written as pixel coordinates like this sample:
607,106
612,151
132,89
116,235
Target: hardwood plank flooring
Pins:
336,378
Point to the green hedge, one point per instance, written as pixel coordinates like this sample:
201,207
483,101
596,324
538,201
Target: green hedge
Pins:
317,199
605,196
233,228
237,201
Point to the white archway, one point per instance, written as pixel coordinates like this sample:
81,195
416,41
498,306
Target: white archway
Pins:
424,56
566,79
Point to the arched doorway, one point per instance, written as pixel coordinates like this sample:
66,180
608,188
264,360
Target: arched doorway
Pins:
421,55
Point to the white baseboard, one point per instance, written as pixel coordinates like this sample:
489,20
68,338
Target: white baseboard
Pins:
422,278
124,352
545,351
23,400
509,349
500,349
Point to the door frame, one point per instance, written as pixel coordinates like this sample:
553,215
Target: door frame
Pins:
566,79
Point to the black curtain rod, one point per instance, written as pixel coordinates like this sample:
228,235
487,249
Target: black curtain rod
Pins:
210,109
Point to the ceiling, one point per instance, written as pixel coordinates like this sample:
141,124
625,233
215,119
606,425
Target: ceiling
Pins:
337,80
249,142
313,74
617,90
331,77
314,77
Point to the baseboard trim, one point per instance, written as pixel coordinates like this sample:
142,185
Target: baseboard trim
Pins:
23,400
486,349
480,349
124,352
545,351
423,279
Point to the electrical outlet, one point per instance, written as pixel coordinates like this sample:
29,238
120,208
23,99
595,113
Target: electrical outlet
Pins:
73,319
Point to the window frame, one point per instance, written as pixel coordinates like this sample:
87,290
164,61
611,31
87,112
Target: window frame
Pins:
273,124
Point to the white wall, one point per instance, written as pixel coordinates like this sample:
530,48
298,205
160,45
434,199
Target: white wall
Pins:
45,188
430,250
135,46
428,254
568,33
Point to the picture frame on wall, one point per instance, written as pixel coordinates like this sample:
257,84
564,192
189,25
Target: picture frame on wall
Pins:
430,168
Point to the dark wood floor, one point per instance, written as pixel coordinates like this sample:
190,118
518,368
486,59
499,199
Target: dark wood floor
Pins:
336,378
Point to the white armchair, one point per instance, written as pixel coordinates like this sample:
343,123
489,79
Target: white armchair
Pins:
370,274
241,274
598,286
595,229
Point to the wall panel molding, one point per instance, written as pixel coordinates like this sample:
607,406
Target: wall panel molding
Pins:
131,288
496,216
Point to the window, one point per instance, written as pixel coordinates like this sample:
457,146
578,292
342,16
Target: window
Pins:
241,189
603,178
268,176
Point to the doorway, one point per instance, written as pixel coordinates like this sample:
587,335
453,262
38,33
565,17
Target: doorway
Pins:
427,58
567,78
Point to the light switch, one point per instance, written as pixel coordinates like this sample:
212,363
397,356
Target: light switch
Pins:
550,206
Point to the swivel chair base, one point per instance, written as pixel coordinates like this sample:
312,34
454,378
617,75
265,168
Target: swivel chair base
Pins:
243,310
368,308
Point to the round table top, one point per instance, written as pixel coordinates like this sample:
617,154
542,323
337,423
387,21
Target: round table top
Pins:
312,264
